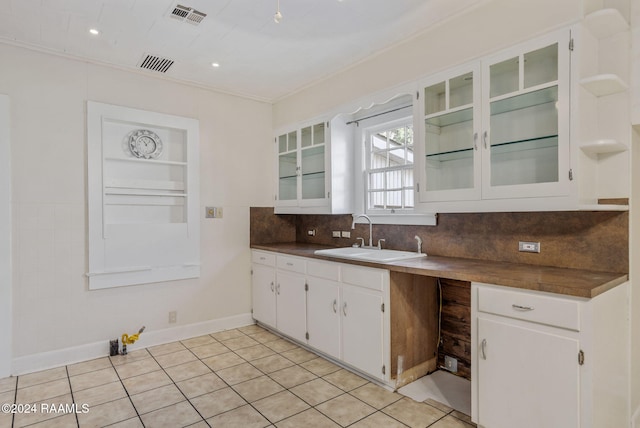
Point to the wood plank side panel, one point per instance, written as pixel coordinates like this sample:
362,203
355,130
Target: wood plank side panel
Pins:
414,320
456,325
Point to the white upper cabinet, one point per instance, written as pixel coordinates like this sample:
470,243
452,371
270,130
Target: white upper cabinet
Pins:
498,128
525,120
314,165
451,107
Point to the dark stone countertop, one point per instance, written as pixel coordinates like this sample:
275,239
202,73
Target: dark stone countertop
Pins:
564,281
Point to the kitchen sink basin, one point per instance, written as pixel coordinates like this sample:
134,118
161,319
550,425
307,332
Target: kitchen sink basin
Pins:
370,254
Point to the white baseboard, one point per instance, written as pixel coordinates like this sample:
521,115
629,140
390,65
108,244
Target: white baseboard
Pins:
90,351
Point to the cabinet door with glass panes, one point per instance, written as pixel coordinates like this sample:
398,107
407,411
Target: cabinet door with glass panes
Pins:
450,109
301,167
525,125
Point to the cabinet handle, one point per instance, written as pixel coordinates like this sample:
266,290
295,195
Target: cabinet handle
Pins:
272,286
278,289
485,136
522,308
482,346
335,306
475,141
289,264
344,308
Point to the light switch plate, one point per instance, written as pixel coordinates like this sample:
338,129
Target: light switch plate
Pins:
213,212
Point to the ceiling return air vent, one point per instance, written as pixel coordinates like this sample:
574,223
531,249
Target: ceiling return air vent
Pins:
187,14
155,63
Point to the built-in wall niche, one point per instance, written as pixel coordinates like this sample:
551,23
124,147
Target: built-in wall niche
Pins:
143,196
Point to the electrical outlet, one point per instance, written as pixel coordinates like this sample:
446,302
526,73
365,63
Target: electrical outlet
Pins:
346,234
529,247
451,364
173,317
335,233
311,232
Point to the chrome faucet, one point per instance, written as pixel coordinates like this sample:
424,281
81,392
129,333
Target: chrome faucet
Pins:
353,226
417,238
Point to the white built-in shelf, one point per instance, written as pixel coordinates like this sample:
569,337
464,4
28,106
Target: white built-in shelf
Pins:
604,84
603,146
606,22
145,161
603,207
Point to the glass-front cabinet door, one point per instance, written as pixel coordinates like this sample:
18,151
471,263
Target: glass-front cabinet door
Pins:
525,121
312,141
450,104
288,167
301,166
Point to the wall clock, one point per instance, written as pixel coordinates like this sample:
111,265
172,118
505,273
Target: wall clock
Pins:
145,144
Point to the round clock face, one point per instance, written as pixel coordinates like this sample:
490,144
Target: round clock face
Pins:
145,144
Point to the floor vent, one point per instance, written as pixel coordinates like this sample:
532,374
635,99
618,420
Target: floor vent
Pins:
155,63
187,14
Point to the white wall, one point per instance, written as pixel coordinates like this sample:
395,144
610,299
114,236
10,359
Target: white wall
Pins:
489,27
5,239
52,307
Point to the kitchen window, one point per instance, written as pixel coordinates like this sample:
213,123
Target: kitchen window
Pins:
388,159
389,171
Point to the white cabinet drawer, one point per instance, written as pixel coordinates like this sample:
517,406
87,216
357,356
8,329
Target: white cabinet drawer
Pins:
364,277
263,258
543,309
326,270
293,264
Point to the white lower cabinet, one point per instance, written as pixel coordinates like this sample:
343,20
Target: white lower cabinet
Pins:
264,294
323,316
279,299
335,308
291,305
540,360
362,329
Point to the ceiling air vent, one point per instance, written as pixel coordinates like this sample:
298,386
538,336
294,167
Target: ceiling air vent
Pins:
187,14
155,63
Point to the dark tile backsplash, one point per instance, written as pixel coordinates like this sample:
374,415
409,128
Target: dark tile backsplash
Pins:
573,239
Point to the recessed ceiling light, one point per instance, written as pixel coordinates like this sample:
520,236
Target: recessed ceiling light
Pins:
215,64
94,31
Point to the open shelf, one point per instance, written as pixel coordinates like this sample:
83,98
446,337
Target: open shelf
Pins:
603,146
604,84
605,22
145,161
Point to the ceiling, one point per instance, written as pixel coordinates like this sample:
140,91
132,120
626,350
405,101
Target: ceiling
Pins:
257,57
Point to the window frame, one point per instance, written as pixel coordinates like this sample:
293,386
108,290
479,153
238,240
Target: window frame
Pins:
414,216
369,132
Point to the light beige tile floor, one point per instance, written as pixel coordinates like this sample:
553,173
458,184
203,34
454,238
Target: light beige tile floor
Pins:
246,377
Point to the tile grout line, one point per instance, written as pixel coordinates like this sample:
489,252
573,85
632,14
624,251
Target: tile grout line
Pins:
73,400
15,398
126,391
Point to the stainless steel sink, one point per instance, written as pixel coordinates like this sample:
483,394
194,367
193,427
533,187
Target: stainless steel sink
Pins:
370,254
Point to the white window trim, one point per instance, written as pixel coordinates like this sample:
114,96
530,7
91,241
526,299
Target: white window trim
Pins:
413,216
